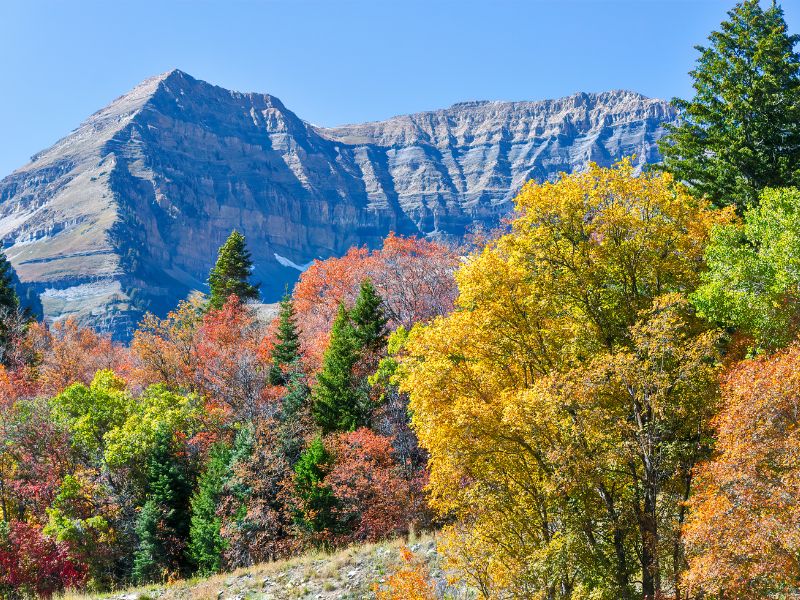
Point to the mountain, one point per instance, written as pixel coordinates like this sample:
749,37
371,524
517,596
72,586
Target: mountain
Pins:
126,213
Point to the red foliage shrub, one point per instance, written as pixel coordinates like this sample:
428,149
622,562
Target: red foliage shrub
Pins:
374,500
35,564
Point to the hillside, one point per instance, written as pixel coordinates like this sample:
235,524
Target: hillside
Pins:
125,214
351,573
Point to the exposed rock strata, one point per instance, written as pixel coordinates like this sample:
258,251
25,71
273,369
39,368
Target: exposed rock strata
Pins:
125,214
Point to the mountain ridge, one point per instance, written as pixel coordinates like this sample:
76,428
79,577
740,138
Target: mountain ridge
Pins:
124,214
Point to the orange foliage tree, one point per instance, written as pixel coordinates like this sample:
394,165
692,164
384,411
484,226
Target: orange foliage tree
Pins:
66,353
414,277
743,535
412,581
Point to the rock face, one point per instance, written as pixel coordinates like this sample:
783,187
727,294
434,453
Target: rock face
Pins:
126,213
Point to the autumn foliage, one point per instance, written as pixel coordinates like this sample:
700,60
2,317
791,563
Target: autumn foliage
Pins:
411,581
744,531
413,276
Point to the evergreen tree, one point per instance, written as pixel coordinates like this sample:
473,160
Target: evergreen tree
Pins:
741,131
287,351
293,418
369,319
9,301
163,522
317,500
231,273
149,555
9,306
206,543
339,402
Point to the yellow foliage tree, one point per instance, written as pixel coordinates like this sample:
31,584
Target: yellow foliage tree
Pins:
566,399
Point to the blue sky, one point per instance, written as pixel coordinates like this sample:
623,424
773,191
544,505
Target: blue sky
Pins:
338,61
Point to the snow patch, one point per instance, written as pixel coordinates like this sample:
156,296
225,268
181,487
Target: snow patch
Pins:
288,263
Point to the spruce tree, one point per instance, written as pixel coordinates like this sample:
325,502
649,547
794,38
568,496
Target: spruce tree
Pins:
286,353
9,301
741,131
164,518
339,403
293,421
317,500
369,319
9,305
206,543
231,273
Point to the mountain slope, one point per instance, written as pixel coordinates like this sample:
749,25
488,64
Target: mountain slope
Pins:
126,213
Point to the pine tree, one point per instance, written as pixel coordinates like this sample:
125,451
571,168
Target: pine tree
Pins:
164,519
286,353
741,131
339,403
369,319
206,543
231,273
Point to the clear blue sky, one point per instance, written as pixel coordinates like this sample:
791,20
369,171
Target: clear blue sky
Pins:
338,61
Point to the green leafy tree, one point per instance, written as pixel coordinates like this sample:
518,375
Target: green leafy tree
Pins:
206,543
741,131
164,520
82,514
753,277
368,318
286,353
316,499
339,403
231,273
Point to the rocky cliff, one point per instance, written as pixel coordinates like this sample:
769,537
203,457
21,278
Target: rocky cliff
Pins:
125,214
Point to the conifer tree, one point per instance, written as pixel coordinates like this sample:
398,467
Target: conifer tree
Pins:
741,131
369,319
164,518
339,403
206,543
9,301
317,500
9,306
293,416
231,273
286,353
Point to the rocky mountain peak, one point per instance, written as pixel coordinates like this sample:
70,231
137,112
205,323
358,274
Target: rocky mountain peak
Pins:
125,213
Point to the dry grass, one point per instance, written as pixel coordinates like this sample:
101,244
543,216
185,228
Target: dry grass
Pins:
347,573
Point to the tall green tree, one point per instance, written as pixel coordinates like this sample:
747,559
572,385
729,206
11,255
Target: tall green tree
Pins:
741,131
206,543
369,319
339,402
231,273
286,353
164,520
